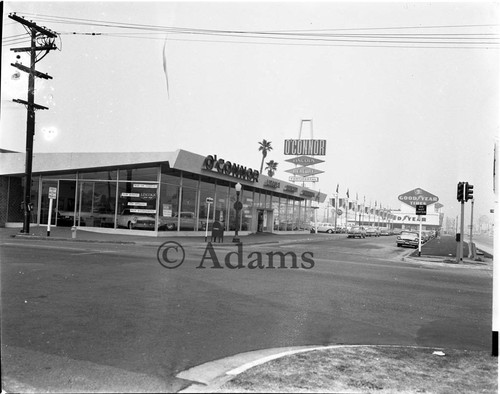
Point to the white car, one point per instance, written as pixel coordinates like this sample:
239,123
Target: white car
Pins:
324,228
134,220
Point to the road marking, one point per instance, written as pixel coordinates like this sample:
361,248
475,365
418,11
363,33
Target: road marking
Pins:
52,247
93,252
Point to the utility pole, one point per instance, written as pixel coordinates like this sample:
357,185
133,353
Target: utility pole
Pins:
46,39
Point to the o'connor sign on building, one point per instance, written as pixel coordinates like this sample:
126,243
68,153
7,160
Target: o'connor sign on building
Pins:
212,163
418,197
305,147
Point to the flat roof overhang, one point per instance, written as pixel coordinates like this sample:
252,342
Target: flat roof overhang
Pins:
14,164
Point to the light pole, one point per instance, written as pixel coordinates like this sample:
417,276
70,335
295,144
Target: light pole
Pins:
237,206
209,200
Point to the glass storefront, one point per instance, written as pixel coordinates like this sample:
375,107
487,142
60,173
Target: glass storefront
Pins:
157,198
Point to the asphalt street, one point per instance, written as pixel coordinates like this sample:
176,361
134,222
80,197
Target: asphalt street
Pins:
109,317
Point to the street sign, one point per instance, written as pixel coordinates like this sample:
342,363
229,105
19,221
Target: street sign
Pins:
209,200
52,193
304,171
304,160
339,212
303,179
421,209
418,197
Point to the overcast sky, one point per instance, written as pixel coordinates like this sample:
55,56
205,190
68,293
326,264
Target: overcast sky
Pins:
399,104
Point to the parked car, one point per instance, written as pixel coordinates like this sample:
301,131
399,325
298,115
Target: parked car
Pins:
397,231
324,228
372,232
356,232
65,218
407,238
427,235
187,222
385,231
136,220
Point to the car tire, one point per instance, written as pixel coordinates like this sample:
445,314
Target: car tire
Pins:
329,231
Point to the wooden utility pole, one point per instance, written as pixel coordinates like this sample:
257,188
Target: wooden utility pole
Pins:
46,40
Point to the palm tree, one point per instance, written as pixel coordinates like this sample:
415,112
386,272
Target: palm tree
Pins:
271,167
265,146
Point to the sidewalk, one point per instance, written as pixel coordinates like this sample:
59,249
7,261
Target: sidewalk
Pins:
444,249
144,238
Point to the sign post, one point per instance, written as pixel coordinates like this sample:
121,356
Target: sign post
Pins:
420,209
315,207
52,197
209,201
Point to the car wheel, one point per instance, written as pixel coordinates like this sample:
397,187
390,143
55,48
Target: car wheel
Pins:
170,227
330,231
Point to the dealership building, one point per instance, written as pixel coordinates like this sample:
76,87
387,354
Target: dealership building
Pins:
163,193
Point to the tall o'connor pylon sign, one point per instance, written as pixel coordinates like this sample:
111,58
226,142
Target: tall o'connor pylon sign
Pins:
304,149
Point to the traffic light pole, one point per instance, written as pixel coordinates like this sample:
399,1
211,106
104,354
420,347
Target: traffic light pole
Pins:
472,249
460,256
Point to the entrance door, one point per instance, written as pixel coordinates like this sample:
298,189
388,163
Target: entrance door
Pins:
264,220
260,221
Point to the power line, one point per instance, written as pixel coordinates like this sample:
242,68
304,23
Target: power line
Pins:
297,37
124,35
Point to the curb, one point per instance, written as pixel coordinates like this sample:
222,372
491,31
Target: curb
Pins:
145,243
149,243
209,377
40,238
446,261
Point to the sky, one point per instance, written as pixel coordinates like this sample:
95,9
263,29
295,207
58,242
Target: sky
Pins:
398,112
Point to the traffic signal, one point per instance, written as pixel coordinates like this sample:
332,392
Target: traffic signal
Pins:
460,191
469,191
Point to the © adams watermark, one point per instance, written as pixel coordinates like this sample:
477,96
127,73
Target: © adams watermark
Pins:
171,255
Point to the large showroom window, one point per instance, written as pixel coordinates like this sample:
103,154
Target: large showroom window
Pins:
97,202
207,190
137,205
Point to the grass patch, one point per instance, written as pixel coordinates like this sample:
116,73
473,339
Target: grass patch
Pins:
373,370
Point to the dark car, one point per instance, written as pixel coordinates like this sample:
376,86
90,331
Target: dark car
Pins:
356,232
385,231
372,232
